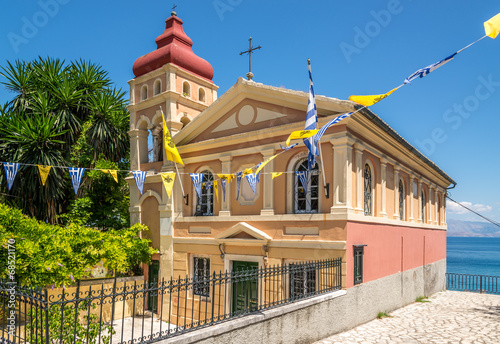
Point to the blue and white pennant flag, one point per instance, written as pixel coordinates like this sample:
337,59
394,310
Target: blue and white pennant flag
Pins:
140,178
323,129
252,181
76,175
304,179
238,183
223,183
10,169
197,179
311,120
424,71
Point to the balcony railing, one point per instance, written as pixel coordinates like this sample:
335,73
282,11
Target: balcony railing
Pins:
122,312
473,283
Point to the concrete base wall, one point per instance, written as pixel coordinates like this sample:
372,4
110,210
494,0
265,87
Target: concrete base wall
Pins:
317,318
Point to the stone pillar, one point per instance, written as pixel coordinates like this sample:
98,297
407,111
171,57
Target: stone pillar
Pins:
419,197
359,177
225,209
412,196
138,148
268,187
383,165
342,175
397,215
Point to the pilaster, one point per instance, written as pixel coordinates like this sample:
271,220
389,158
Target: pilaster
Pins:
419,197
225,209
383,165
358,149
397,215
436,207
342,175
268,187
412,198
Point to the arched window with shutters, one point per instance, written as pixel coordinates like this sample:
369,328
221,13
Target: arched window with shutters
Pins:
368,190
306,199
205,203
157,87
201,95
401,190
144,92
186,89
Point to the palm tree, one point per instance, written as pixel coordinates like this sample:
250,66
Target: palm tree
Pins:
60,115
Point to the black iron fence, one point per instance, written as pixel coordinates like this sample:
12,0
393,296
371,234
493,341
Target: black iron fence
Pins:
473,283
122,312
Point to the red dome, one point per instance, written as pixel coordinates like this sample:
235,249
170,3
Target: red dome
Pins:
173,46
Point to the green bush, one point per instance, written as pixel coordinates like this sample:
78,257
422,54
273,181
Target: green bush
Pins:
52,255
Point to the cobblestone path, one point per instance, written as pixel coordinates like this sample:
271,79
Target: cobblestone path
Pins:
449,317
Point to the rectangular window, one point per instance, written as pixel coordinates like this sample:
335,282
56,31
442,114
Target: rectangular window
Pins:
302,280
358,264
201,272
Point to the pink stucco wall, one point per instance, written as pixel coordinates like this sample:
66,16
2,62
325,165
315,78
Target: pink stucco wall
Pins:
392,249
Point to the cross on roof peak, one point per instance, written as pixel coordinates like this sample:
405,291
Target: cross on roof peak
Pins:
249,52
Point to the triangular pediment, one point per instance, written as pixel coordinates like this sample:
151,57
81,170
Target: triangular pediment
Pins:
243,233
249,107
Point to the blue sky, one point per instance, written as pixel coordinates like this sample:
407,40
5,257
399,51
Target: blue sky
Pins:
356,47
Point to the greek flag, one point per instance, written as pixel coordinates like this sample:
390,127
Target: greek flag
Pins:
311,120
304,178
289,147
252,181
140,177
257,176
76,175
424,71
323,129
238,183
197,179
10,169
223,182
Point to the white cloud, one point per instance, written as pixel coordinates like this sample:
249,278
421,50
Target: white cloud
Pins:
454,208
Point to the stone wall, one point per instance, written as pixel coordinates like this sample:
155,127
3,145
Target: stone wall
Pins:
310,320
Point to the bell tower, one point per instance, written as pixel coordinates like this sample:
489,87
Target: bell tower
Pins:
174,78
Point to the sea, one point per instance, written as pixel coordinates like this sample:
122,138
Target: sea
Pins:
475,256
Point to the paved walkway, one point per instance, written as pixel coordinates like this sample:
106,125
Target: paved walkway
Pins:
448,317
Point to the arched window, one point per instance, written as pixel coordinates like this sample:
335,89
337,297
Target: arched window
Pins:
306,201
201,95
422,196
368,190
205,203
186,89
157,87
144,92
401,201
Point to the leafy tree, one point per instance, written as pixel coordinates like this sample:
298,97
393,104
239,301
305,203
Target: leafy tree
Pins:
61,115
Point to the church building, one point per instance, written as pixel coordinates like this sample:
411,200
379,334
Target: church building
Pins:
372,199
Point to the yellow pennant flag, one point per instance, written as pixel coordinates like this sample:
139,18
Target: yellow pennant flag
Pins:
216,188
168,182
265,163
301,134
44,173
247,171
492,26
113,173
229,177
277,174
370,100
171,150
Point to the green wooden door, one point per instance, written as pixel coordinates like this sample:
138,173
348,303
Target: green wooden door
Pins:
153,274
245,290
